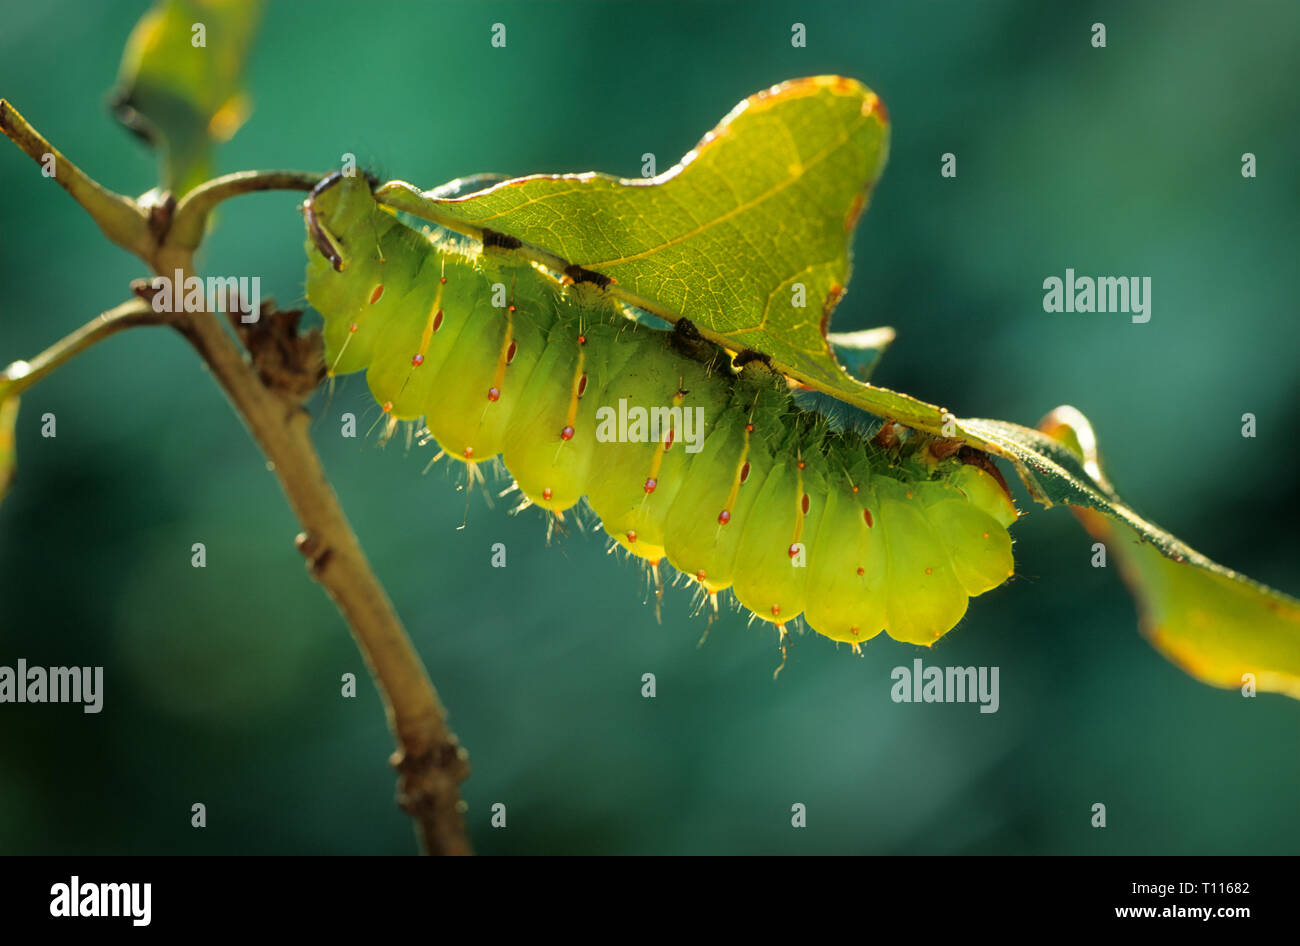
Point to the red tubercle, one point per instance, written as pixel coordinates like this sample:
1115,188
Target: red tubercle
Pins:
724,517
443,280
352,327
749,428
546,493
650,485
566,433
511,307
793,550
417,359
699,576
776,610
469,453
494,394
582,339
861,570
802,464
631,537
388,407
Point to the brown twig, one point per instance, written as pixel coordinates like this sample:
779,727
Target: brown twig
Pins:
268,392
21,375
191,215
429,761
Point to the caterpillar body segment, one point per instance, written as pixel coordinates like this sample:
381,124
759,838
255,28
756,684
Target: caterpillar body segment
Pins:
850,599
986,491
681,455
634,508
977,543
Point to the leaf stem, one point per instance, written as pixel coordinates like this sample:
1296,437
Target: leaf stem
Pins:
191,214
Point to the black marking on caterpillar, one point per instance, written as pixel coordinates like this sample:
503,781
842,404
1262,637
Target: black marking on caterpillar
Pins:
324,242
749,356
686,339
752,494
580,275
685,328
503,240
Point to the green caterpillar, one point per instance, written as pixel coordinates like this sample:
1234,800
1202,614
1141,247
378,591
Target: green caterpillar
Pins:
858,535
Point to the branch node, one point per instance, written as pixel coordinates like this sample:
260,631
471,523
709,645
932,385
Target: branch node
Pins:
143,289
160,205
428,790
315,551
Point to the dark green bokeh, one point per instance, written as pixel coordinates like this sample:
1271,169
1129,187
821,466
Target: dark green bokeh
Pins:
223,683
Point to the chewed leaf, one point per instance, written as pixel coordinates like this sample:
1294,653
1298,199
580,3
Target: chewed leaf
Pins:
8,451
895,537
860,352
1216,624
180,86
465,186
749,239
748,236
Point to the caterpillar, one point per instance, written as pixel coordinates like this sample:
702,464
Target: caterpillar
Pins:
719,471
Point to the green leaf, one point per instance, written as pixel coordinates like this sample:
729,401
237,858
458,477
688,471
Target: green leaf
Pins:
182,97
765,203
8,449
1214,623
769,199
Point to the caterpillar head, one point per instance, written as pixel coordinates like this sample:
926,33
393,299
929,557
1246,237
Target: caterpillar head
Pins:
334,207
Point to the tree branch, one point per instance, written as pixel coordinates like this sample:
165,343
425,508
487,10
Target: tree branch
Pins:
429,760
121,218
268,394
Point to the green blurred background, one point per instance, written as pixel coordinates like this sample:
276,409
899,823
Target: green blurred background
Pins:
223,683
